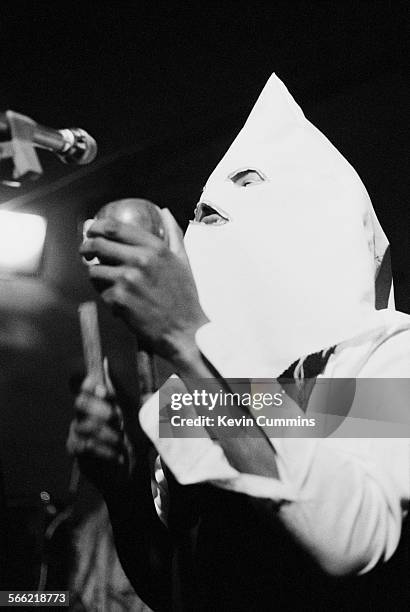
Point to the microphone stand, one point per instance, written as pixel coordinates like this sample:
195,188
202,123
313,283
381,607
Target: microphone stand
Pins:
43,137
72,145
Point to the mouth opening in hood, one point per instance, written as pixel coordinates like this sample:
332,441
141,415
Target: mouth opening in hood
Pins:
210,215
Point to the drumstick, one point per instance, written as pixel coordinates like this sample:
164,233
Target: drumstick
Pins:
90,334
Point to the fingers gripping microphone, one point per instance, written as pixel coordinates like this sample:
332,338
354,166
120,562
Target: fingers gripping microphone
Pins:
146,215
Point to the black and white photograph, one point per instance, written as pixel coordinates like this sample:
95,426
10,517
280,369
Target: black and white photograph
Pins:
205,305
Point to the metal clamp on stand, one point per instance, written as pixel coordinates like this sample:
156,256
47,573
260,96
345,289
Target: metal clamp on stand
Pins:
71,145
20,149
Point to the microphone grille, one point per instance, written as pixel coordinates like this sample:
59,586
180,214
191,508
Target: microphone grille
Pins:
82,148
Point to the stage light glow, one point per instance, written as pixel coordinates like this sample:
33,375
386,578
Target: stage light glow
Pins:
21,242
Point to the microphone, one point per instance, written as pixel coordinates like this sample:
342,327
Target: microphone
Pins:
79,147
135,211
72,145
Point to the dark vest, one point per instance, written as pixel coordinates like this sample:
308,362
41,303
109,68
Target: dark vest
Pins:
229,558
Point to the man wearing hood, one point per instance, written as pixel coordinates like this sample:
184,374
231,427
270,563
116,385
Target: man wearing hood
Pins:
275,279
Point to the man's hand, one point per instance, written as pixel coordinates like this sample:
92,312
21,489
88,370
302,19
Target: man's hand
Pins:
148,283
98,440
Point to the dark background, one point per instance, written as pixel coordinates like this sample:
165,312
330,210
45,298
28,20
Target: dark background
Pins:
164,87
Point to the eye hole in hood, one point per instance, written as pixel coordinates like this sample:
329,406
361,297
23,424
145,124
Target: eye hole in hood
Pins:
247,177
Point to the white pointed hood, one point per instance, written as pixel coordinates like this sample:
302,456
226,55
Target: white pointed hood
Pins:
293,270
